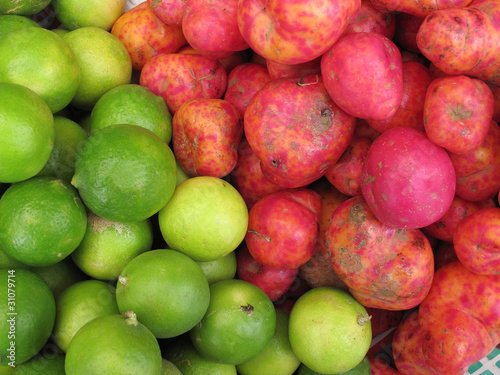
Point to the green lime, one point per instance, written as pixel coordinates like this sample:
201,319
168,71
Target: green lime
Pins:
239,323
42,220
23,7
118,180
99,13
220,269
135,105
27,315
330,332
7,261
114,344
48,364
166,289
104,64
180,173
108,246
37,52
12,22
278,357
79,304
26,133
168,368
69,136
189,361
6,370
363,368
206,218
60,275
60,31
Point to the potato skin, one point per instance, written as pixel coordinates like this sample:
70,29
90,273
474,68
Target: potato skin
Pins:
363,74
419,8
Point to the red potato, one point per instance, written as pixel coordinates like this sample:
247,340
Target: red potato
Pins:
178,78
229,63
478,171
292,32
419,8
247,176
412,56
205,137
379,366
477,241
416,80
363,129
210,27
405,35
243,82
384,267
444,253
445,228
296,130
283,228
383,320
457,112
318,270
275,282
345,174
368,19
464,40
363,74
145,36
408,181
457,324
495,90
169,11
279,70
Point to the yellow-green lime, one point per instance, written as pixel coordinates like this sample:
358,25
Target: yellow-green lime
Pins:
168,368
12,22
278,357
206,218
42,61
99,13
7,261
42,364
363,368
27,313
222,268
79,304
104,64
26,133
60,31
6,370
189,361
135,105
114,344
125,173
69,136
42,220
60,275
108,246
181,174
166,289
330,332
23,7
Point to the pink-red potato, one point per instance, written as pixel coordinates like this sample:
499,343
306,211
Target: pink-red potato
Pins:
169,11
145,36
205,137
363,74
418,8
296,130
293,32
369,19
243,82
283,228
275,282
477,241
405,35
345,174
478,171
458,112
464,40
363,129
444,253
178,78
210,27
416,80
457,324
445,228
229,63
380,366
247,176
384,267
408,181
495,90
279,70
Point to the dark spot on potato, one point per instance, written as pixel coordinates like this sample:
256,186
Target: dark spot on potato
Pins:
348,260
357,215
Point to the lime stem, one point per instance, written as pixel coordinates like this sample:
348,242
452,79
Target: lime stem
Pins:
362,319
